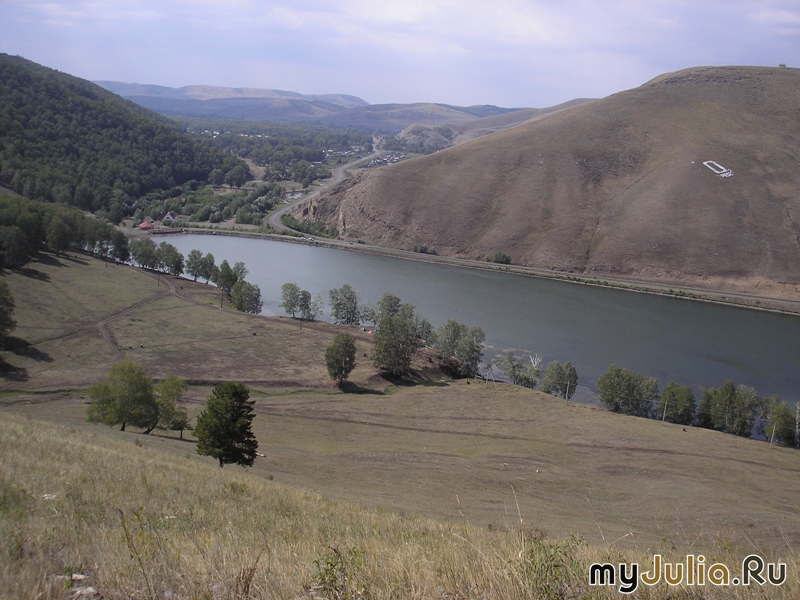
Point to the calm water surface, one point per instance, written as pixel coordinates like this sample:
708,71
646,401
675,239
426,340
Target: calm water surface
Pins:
693,343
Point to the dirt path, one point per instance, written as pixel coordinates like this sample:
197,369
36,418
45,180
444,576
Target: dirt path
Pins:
101,324
274,219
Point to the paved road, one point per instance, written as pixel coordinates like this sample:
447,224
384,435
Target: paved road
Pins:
338,175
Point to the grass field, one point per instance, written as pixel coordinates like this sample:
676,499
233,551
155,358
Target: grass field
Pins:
485,463
137,523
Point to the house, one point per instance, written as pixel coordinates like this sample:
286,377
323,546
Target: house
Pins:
168,219
146,225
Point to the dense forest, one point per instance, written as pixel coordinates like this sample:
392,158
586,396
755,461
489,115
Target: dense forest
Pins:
28,226
64,139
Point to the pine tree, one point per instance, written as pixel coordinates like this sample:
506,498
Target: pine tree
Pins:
224,428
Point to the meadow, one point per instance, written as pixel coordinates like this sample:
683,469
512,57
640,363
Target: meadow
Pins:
430,488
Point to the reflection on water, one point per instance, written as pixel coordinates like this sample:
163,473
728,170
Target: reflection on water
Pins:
693,343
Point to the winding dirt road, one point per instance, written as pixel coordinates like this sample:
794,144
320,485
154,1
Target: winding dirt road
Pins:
274,219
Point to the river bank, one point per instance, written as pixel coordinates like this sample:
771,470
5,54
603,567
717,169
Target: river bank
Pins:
668,288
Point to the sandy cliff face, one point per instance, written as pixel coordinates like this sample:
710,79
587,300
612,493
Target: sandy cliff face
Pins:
614,186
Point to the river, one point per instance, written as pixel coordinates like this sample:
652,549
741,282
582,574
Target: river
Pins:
693,343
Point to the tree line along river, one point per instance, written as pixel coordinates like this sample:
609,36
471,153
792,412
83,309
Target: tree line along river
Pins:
693,343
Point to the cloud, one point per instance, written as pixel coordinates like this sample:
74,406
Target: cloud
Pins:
507,52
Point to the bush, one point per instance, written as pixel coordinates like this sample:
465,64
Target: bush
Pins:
500,258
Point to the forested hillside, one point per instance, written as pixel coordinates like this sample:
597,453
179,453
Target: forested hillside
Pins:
64,139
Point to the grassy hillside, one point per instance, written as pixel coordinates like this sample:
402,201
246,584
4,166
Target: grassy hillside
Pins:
612,187
65,139
79,509
469,451
430,138
76,315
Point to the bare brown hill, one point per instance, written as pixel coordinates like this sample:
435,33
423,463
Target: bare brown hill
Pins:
438,137
616,186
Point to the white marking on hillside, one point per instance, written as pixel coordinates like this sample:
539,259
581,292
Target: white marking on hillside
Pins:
718,168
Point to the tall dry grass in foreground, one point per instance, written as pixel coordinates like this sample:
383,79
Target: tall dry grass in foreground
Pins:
140,524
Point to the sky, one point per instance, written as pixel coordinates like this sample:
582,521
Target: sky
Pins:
511,53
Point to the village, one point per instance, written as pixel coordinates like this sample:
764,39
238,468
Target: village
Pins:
386,159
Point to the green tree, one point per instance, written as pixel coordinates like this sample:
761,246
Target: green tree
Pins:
344,305
783,424
168,393
340,357
469,351
237,176
676,405
460,346
732,409
194,262
124,398
58,235
224,427
179,420
145,252
388,306
170,259
310,308
560,380
216,177
207,267
7,323
395,344
520,373
447,338
246,297
703,415
240,270
14,247
623,391
121,250
225,277
290,296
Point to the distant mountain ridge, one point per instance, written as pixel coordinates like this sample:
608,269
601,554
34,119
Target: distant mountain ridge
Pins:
284,106
210,92
627,185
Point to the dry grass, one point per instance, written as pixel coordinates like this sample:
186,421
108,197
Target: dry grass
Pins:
509,474
141,524
61,301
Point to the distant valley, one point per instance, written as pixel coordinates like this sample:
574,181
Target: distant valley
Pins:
336,110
